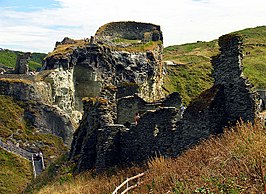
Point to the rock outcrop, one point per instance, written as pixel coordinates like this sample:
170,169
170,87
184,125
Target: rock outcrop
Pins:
36,98
80,69
99,143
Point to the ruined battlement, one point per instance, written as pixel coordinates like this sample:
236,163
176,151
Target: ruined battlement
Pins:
130,30
228,72
230,41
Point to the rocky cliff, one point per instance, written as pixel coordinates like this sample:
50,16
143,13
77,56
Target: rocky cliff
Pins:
36,97
85,68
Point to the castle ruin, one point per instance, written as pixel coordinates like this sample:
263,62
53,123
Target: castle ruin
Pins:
100,142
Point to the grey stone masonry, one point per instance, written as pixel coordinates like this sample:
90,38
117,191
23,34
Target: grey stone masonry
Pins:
22,66
240,100
84,145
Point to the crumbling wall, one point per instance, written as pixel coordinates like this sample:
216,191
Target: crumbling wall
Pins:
97,115
99,143
152,136
131,30
22,66
128,106
240,98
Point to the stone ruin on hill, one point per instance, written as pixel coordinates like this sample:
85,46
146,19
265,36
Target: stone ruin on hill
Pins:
109,78
22,66
102,141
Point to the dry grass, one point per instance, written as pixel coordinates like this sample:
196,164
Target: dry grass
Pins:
88,183
65,49
139,47
16,80
232,163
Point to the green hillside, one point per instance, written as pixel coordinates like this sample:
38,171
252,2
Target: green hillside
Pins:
192,74
8,58
16,172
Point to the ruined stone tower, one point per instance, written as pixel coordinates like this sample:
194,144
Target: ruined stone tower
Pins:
240,98
22,66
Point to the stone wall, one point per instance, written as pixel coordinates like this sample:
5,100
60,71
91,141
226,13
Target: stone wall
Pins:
22,66
152,136
97,115
131,30
239,95
128,106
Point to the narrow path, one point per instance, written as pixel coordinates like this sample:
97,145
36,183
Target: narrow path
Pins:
36,158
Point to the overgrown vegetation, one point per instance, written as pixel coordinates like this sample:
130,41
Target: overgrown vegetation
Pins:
137,47
192,73
120,44
15,173
14,128
234,162
8,58
64,49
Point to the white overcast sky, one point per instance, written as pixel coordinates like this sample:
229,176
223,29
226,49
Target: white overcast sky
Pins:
35,25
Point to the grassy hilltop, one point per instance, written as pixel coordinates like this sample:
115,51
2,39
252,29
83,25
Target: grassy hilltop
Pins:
192,74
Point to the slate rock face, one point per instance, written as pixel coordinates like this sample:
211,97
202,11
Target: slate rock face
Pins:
49,119
100,144
95,66
38,110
